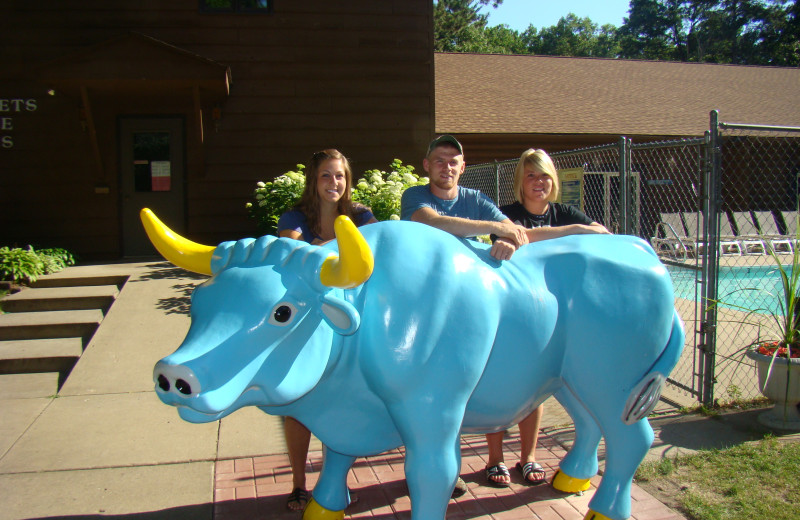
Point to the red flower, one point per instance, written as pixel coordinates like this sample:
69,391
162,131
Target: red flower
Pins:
768,348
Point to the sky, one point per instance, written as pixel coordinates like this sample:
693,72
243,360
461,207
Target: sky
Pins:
518,14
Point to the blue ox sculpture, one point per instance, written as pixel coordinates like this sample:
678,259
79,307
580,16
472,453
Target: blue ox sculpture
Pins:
409,347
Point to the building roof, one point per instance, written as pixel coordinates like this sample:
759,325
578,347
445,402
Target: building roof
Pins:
498,94
134,63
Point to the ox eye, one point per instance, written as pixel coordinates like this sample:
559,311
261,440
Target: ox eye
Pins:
282,314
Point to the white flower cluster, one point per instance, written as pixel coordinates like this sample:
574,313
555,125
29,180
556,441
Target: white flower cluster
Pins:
381,190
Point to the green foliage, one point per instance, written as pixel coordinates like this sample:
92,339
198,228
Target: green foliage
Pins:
377,189
456,23
381,191
753,480
55,259
274,198
653,470
746,32
573,36
26,265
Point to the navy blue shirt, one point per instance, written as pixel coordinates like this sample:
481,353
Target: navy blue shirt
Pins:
296,220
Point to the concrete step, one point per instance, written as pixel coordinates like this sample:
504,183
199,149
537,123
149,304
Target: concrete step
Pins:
61,299
28,386
40,355
57,280
50,324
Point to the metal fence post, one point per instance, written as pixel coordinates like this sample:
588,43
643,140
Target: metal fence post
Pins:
497,181
624,198
710,267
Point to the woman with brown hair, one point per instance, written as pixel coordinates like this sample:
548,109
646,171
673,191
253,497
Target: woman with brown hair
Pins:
329,181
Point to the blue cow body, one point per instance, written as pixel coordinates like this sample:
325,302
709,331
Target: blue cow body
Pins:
441,339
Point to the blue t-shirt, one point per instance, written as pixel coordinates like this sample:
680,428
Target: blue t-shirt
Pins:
295,220
469,204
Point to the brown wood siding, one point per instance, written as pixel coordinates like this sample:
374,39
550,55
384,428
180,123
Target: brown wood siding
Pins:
313,74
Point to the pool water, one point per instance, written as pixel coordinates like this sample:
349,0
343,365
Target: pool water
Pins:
748,287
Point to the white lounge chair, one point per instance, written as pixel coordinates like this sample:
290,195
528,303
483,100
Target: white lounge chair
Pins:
670,237
728,245
790,219
747,234
770,232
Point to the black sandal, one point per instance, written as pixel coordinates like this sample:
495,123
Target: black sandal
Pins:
499,470
300,496
535,469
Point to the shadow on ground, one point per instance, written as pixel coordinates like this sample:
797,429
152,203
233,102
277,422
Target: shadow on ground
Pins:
165,271
193,512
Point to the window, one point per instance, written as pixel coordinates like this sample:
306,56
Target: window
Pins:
236,6
151,164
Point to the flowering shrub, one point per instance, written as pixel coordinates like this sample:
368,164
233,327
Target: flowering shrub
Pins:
377,189
381,191
274,198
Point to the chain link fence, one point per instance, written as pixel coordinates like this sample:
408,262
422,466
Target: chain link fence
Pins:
712,208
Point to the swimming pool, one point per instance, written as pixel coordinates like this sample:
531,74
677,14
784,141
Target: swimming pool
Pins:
744,286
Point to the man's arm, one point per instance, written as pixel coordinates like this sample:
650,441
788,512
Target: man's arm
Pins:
463,227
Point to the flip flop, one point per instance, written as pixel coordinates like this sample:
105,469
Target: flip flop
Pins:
300,496
499,470
535,469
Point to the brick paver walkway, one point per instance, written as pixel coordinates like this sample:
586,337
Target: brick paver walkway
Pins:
257,488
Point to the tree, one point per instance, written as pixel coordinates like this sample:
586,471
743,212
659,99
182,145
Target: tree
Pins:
645,33
753,32
573,36
457,23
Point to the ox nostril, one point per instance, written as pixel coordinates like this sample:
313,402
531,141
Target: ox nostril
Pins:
163,383
183,387
175,379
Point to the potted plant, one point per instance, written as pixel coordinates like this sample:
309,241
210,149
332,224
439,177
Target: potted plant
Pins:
778,370
776,349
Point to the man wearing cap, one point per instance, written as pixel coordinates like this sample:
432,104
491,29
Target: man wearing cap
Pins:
460,211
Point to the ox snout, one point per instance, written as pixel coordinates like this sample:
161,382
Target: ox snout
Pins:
176,379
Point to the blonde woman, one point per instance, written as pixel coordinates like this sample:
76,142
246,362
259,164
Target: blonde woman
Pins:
535,191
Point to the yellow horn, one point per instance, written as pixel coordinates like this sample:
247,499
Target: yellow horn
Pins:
176,249
354,264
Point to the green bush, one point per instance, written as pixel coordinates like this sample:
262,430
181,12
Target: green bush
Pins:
26,265
381,191
274,198
377,189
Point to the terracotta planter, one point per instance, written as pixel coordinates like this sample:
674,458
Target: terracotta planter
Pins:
785,414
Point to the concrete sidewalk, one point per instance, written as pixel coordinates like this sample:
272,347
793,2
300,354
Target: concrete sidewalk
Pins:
105,446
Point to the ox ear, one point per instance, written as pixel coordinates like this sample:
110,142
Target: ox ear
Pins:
340,315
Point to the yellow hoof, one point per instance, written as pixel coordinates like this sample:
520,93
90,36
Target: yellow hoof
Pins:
594,515
314,511
567,484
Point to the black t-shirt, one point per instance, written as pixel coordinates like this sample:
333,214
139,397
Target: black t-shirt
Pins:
556,215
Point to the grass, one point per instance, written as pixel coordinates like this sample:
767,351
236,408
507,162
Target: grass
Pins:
746,482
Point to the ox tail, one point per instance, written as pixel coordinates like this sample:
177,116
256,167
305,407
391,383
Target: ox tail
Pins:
645,395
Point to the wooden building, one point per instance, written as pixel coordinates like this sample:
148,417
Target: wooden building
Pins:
107,107
182,105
